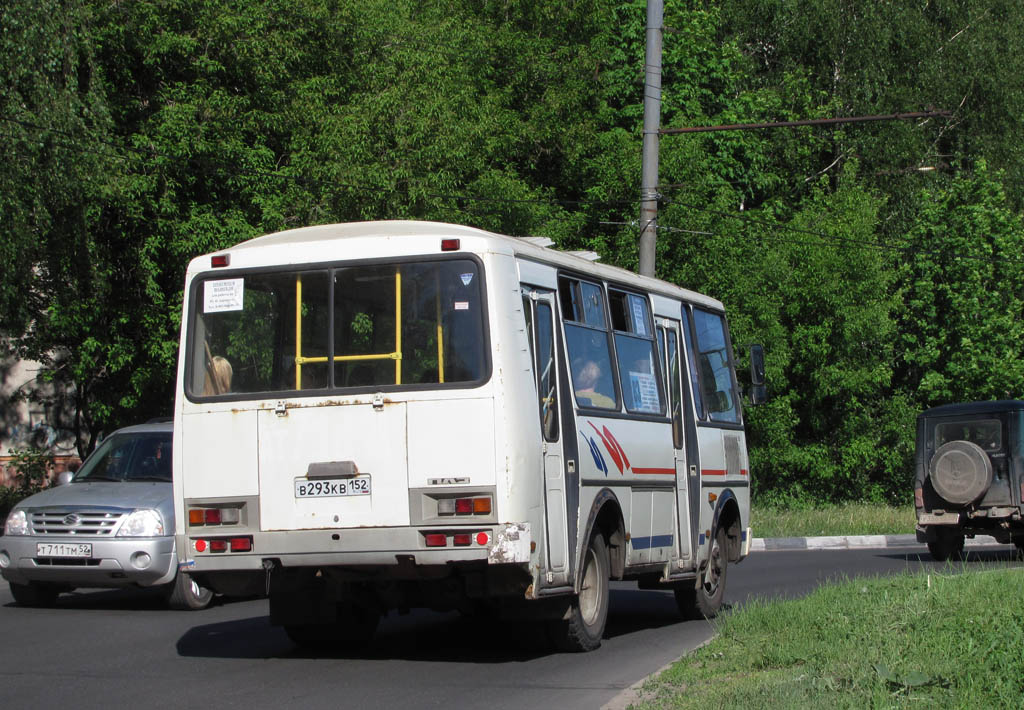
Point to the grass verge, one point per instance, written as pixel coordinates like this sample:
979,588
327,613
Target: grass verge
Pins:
913,641
843,519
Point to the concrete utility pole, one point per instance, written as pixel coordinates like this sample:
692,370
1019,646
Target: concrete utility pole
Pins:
652,124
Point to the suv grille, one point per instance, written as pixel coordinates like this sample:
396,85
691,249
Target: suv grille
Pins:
75,522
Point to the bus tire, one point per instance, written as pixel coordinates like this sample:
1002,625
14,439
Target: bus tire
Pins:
705,600
583,627
185,594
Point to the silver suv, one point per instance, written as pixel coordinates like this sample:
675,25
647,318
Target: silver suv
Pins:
112,525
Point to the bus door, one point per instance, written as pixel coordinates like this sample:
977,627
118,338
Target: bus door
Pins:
539,308
683,439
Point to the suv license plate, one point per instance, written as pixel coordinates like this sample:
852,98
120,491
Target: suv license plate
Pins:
63,549
332,487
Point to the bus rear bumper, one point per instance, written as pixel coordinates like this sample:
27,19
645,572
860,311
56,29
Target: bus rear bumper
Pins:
506,543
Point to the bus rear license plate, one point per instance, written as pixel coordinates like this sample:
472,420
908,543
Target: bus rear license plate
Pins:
332,487
63,549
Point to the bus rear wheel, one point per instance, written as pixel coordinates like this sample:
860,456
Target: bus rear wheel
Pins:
583,627
705,600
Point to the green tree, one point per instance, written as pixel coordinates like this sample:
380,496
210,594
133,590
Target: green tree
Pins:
960,280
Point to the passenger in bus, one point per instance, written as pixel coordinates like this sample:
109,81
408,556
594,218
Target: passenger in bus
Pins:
586,379
218,376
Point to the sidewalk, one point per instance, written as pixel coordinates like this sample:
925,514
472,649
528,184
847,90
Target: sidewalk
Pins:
849,542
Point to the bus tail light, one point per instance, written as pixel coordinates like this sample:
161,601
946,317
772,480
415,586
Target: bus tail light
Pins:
214,516
220,260
436,539
450,245
224,544
480,505
457,539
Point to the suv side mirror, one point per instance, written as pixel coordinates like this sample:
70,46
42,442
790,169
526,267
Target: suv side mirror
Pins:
64,478
758,389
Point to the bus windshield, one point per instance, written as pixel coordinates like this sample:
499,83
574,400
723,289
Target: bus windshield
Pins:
361,326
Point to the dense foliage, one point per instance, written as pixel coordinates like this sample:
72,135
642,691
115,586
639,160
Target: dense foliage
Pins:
879,263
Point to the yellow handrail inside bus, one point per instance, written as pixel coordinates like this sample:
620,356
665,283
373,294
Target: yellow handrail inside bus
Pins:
398,327
440,335
300,360
298,332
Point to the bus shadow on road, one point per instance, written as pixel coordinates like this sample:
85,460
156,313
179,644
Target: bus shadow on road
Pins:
428,636
419,636
634,610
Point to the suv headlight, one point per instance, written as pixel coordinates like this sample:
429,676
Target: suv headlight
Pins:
17,523
142,523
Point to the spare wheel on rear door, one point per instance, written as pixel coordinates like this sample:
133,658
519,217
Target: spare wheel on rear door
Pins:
961,472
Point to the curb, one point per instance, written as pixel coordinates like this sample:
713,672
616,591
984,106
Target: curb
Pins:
850,542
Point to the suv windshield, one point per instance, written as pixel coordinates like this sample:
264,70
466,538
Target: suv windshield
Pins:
369,326
130,457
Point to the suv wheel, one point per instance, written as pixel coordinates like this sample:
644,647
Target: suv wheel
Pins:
946,544
35,594
185,594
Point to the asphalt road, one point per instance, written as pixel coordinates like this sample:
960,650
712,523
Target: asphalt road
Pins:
122,649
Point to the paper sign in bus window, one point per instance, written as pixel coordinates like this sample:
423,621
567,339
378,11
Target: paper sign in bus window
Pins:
223,295
645,392
639,315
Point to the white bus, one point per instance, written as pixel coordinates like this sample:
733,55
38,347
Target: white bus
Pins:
388,415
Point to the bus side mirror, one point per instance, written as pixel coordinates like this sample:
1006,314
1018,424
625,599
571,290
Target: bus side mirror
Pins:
758,389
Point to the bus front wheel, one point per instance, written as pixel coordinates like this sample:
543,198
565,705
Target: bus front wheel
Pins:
705,600
584,624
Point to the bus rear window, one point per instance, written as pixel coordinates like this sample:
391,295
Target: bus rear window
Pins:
366,326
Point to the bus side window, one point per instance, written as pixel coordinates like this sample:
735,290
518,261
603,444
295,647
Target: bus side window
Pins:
716,374
691,361
547,389
640,377
586,340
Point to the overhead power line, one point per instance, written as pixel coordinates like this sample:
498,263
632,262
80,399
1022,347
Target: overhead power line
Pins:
808,122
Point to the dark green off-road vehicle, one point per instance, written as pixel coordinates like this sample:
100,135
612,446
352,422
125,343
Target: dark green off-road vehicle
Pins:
969,473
